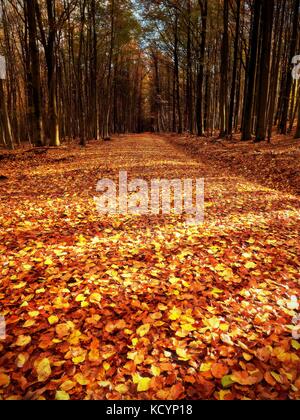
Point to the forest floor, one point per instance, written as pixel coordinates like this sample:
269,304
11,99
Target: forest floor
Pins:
144,307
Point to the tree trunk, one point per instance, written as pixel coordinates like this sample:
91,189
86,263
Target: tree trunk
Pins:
267,23
289,79
37,122
279,23
224,73
297,135
200,76
8,140
189,94
177,79
235,67
106,135
251,73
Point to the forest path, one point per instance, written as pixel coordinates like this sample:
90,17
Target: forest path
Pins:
144,306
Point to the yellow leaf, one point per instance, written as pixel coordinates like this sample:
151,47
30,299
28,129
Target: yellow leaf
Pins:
29,323
21,360
134,342
82,240
216,291
136,378
95,298
48,261
224,327
104,384
59,302
43,369
247,255
214,322
106,366
75,338
121,389
174,280
20,285
62,396
143,330
205,367
188,327
295,345
23,340
53,319
81,379
175,314
277,377
220,267
143,384
78,359
247,357
40,291
155,371
250,265
108,355
80,298
182,354
33,314
68,385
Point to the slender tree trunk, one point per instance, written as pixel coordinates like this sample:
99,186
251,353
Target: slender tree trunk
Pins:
251,73
174,122
295,113
275,67
94,111
80,87
200,76
177,78
267,20
297,134
224,73
289,80
8,139
189,94
109,76
235,67
48,40
37,129
292,108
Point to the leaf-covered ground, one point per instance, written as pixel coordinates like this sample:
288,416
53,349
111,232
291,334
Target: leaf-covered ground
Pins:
142,307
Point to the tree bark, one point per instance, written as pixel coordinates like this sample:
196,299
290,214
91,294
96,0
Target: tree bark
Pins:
224,73
37,122
251,73
289,79
200,76
235,67
264,63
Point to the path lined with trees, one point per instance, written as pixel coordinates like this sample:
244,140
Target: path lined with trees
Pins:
128,304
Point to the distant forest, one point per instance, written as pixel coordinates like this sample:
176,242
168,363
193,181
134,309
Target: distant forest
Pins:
78,69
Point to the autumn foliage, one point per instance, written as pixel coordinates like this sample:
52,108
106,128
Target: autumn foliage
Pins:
125,307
